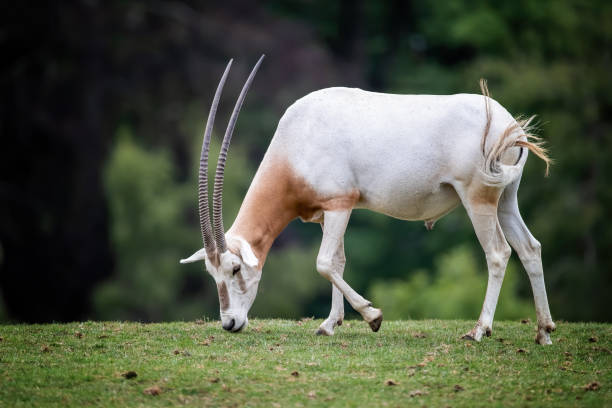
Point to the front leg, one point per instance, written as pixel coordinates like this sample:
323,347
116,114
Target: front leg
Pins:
334,226
336,314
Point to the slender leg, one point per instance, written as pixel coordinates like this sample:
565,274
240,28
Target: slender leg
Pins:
529,251
482,209
334,226
336,314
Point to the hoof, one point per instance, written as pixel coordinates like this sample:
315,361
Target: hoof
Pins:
477,332
474,335
327,327
543,336
543,340
375,324
322,332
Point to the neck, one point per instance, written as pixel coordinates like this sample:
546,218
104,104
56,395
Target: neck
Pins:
267,208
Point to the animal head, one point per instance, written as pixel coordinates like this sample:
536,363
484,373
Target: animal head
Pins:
228,259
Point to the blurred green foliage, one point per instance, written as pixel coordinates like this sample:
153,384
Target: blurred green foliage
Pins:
290,283
453,290
552,58
148,231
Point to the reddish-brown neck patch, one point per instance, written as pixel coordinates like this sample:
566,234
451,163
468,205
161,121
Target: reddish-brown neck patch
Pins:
277,196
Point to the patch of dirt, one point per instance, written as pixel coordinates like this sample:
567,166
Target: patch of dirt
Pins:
207,341
78,335
604,349
593,386
526,321
129,374
45,349
427,359
458,388
295,374
593,339
417,393
154,390
391,382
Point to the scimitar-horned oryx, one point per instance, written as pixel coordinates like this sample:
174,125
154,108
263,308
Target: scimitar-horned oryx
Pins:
412,157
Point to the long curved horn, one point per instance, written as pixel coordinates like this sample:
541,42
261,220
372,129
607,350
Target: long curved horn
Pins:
205,226
218,190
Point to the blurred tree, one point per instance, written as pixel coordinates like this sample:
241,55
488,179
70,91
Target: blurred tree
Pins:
148,230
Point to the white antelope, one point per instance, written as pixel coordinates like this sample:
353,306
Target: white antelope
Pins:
412,157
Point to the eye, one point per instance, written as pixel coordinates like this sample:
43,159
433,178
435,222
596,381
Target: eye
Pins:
236,269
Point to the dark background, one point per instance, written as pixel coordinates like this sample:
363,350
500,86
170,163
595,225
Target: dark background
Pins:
102,106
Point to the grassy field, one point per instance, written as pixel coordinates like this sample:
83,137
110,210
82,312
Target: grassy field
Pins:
280,363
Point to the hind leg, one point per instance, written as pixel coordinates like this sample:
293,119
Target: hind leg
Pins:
481,206
529,251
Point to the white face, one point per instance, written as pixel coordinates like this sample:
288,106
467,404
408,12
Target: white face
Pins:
236,278
237,284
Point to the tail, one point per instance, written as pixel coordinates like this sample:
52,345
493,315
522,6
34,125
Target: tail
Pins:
521,133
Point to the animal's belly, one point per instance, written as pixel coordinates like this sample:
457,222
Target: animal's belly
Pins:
413,205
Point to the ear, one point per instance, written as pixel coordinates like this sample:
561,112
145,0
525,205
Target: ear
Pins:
248,257
200,255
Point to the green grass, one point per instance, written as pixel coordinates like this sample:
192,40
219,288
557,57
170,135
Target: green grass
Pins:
198,364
